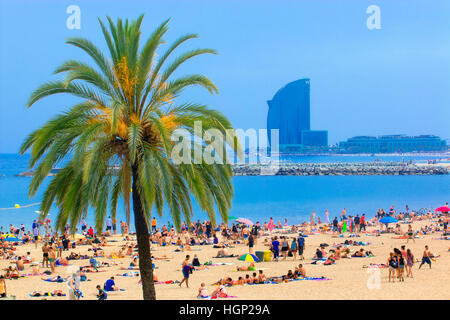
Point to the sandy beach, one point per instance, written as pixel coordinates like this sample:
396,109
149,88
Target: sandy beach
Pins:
349,277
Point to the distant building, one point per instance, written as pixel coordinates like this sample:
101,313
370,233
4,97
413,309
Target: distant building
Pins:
314,138
393,144
289,112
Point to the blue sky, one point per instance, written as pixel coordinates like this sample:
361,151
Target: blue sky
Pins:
394,80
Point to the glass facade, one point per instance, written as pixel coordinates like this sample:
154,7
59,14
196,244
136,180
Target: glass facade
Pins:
315,138
289,111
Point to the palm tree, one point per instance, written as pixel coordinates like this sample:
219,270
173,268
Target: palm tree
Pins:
128,112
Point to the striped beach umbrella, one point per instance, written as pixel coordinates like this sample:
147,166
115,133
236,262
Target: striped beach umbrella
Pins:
248,257
11,238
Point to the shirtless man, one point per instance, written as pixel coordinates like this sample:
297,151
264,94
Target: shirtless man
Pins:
426,257
52,258
19,264
261,277
301,270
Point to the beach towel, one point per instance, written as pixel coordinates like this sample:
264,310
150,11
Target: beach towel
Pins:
57,280
129,274
216,297
32,275
230,256
48,294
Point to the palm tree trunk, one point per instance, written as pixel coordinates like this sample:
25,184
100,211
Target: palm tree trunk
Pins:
142,235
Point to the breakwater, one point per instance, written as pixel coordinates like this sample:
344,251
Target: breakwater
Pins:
337,169
324,169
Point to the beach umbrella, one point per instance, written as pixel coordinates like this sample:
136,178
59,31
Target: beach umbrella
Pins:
248,257
443,209
232,218
12,239
245,221
387,220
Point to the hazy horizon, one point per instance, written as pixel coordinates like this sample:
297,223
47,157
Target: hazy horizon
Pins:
393,80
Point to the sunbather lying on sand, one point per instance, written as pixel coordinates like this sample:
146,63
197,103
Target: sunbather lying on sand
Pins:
250,267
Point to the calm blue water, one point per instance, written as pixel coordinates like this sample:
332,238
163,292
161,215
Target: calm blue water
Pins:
261,197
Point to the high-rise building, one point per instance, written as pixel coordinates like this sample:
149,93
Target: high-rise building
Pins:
289,112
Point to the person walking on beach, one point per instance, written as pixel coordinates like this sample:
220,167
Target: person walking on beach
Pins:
409,263
327,217
294,247
186,269
275,248
426,257
153,225
301,246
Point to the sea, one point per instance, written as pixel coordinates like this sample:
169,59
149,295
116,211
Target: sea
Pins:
260,197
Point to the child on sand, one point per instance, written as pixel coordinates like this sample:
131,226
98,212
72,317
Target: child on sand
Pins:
202,291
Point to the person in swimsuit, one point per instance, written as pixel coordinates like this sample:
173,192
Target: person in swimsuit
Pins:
186,269
392,266
409,263
294,247
52,259
426,257
410,234
284,247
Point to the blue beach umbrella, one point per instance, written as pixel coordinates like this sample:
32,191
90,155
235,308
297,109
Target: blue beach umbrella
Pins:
12,239
387,220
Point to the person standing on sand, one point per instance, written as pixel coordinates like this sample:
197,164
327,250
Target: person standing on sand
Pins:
301,246
186,269
36,236
327,217
362,222
294,247
426,257
52,259
45,250
409,263
3,291
271,225
114,226
313,218
251,243
153,225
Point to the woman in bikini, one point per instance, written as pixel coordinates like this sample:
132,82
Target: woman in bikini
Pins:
410,234
409,263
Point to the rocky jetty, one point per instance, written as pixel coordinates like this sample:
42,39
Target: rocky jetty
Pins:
323,169
338,169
